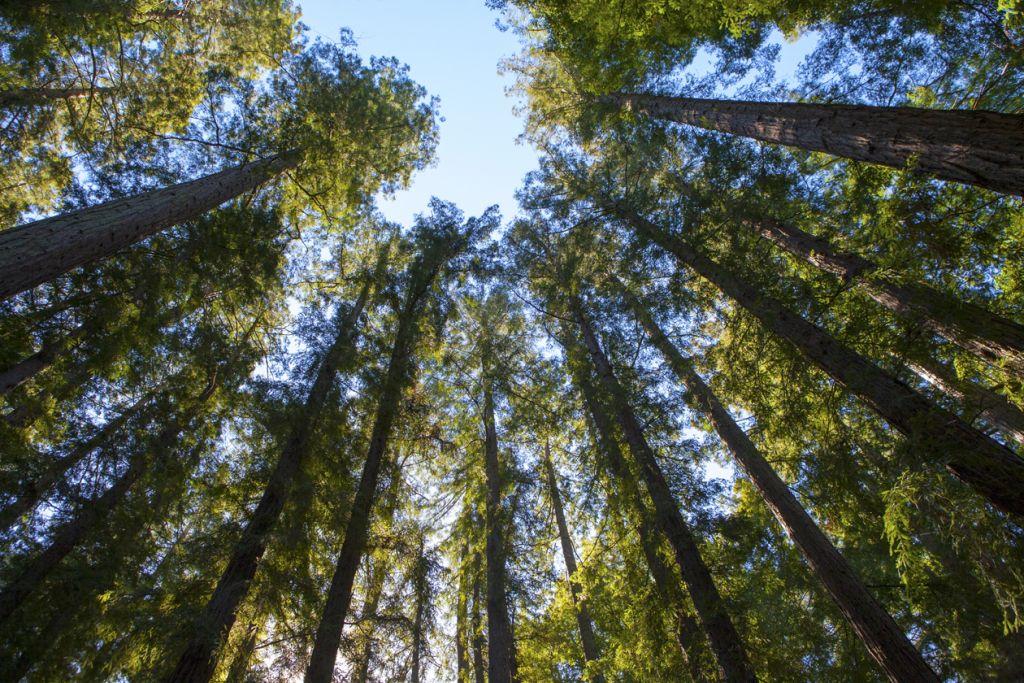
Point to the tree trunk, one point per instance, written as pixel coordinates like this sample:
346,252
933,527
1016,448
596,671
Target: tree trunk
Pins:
885,641
375,582
27,368
461,621
30,97
583,620
976,147
990,468
729,650
501,653
687,632
243,658
399,375
985,404
420,587
988,336
33,491
479,674
198,661
37,252
68,536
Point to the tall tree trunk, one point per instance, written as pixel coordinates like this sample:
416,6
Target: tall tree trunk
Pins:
583,620
476,627
420,588
13,377
198,660
32,491
375,589
461,621
501,653
37,252
29,97
990,468
92,513
885,641
243,657
687,632
729,650
988,336
977,147
399,375
979,401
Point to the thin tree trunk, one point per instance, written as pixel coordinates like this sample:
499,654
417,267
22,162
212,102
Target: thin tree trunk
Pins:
399,375
375,590
30,97
687,632
586,625
990,468
37,252
729,650
27,368
243,658
987,405
198,660
420,587
885,641
501,653
479,674
988,336
33,491
976,147
461,619
68,536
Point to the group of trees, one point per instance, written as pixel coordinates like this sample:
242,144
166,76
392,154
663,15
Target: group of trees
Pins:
738,394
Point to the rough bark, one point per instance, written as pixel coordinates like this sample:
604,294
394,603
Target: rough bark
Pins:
30,97
32,491
726,644
980,148
92,513
991,469
978,331
37,252
501,653
398,376
583,620
198,660
885,641
985,404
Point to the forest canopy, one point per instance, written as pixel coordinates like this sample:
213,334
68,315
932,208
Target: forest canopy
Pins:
736,392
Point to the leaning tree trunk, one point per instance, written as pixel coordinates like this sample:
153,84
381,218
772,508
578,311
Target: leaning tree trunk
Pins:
583,620
989,336
68,536
990,468
31,97
688,633
37,252
32,491
501,652
399,375
885,641
375,581
729,650
981,148
985,404
14,376
198,660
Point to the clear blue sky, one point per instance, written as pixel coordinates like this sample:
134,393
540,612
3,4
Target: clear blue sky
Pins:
452,48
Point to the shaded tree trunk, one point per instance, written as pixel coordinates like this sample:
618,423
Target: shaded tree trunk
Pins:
583,620
976,147
885,641
990,468
30,97
368,614
243,658
978,331
461,621
420,588
198,660
27,368
987,405
476,626
501,653
37,252
726,644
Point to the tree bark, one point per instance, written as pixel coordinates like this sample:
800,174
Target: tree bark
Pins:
990,468
501,653
980,148
27,368
399,375
586,625
420,587
37,252
479,675
885,641
985,404
375,582
461,621
989,336
30,97
68,536
198,660
726,644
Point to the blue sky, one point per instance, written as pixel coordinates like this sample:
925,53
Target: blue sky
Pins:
453,49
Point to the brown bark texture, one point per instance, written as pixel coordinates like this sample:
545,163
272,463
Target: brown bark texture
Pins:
980,148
